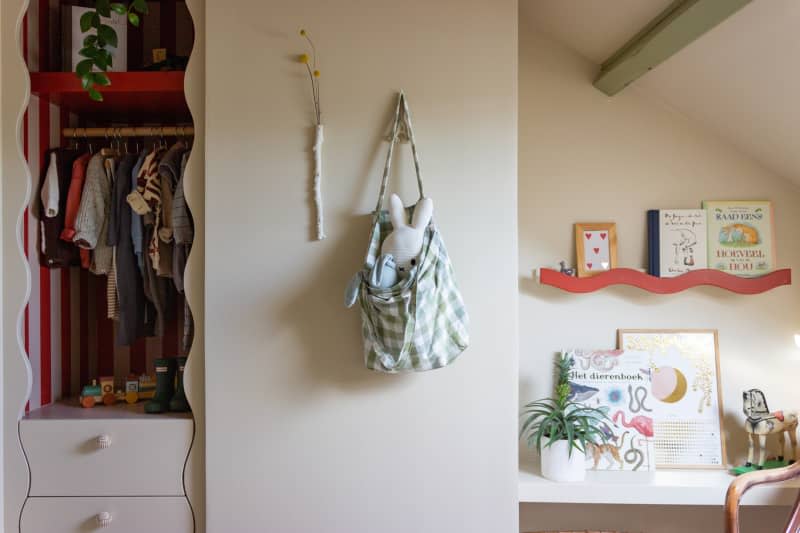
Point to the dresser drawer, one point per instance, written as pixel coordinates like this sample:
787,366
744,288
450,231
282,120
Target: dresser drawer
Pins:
107,457
121,515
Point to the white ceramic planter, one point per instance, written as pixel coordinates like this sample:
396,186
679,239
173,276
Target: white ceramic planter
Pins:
558,465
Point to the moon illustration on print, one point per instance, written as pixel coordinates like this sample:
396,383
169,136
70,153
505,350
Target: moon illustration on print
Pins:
669,384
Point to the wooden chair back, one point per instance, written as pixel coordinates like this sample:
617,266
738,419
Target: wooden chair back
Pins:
745,482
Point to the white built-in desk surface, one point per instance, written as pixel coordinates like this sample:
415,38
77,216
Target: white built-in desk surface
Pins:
663,487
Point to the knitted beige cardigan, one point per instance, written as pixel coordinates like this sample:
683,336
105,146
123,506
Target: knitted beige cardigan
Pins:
91,224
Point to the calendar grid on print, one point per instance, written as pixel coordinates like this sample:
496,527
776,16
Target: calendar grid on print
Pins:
687,442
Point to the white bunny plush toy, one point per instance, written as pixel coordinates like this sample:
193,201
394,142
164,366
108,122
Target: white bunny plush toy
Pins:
404,243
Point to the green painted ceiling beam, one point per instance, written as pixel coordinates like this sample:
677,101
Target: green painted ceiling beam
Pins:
677,26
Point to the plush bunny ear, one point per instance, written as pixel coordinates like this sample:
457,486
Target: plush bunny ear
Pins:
397,212
423,213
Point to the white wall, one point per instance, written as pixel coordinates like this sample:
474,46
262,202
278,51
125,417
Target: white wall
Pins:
586,157
300,437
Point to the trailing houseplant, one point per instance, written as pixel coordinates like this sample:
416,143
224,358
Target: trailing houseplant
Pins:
560,429
95,46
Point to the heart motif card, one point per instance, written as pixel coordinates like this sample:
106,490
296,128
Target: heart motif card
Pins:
596,247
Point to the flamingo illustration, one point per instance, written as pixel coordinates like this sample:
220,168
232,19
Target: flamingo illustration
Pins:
642,424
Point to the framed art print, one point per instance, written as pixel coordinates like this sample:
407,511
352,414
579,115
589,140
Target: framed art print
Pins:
596,247
686,396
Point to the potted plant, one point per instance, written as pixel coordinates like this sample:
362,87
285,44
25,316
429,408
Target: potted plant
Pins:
560,429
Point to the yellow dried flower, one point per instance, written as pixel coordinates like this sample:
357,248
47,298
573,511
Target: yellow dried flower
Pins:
303,58
316,74
303,32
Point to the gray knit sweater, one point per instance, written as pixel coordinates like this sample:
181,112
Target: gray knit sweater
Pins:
91,224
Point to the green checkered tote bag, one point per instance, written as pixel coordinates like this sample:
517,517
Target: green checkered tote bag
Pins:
420,323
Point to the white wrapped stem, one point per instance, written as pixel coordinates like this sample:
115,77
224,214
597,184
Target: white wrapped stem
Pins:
318,140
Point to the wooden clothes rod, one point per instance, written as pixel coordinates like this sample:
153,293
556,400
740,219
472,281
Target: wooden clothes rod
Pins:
141,131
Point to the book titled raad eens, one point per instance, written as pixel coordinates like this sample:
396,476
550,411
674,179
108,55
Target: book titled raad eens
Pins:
741,237
619,383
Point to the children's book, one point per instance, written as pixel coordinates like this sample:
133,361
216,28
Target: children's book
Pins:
741,237
681,241
653,249
618,383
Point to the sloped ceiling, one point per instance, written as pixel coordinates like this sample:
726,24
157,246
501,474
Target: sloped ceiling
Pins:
741,79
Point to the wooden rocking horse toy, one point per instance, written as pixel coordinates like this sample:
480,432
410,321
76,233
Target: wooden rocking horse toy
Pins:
760,423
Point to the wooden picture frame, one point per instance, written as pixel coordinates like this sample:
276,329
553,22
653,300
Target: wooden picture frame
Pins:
659,339
595,247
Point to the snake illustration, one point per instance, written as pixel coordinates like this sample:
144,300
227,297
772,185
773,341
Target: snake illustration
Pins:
602,360
632,455
636,398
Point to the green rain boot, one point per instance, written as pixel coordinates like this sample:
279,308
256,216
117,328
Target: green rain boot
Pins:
165,386
178,402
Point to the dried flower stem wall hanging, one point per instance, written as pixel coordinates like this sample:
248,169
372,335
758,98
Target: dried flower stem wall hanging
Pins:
313,76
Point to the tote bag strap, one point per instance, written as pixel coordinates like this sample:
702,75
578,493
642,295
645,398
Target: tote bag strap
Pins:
401,113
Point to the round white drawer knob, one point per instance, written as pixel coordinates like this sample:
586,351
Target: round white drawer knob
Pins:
103,519
104,441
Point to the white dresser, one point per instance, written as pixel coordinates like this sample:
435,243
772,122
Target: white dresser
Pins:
113,469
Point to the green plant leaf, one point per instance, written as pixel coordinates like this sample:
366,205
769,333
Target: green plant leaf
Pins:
88,51
87,81
101,78
535,414
579,444
570,435
536,408
538,437
118,8
553,439
529,424
103,7
102,60
108,34
101,43
84,67
90,40
134,19
95,95
140,6
86,21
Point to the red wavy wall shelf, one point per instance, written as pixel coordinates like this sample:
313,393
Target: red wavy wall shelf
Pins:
695,278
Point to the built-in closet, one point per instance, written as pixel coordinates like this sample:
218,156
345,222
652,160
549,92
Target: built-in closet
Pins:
106,461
